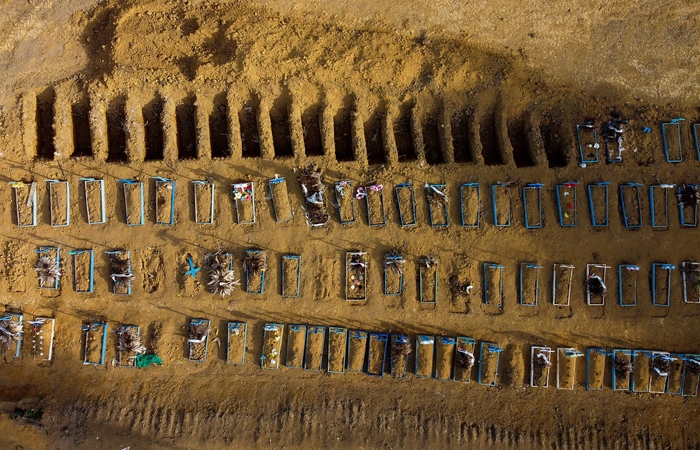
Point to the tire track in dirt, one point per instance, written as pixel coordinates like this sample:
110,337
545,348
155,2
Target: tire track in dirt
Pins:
301,421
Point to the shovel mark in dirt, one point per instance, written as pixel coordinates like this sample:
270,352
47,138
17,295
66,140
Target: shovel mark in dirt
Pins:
45,133
82,143
153,126
116,130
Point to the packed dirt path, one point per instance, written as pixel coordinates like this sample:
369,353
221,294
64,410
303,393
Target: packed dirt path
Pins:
439,92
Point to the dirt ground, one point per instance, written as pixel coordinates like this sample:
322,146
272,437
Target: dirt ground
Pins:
425,92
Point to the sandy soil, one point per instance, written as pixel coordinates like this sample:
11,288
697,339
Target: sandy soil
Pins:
439,92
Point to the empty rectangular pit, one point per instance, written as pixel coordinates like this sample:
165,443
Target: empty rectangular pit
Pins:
554,145
116,131
403,136
517,134
281,138
186,131
82,142
218,128
153,129
432,142
342,135
461,139
373,139
311,125
489,140
45,133
250,138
